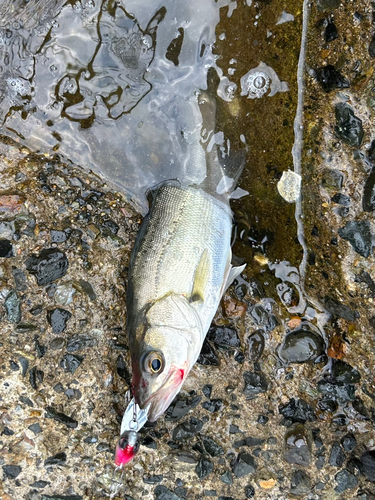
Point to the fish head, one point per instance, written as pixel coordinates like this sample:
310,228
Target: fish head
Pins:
160,366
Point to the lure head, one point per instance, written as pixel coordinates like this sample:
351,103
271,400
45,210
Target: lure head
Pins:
127,447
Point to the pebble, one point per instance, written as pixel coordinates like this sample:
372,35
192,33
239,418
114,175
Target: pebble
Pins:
327,4
153,479
368,464
213,406
58,459
371,47
207,390
207,355
289,186
35,377
181,406
345,481
341,199
211,447
243,465
297,411
203,468
331,32
187,429
348,442
24,364
64,294
79,342
337,456
61,497
70,362
332,179
59,236
57,343
58,319
249,491
40,484
344,373
122,370
368,200
224,336
358,233
35,428
297,445
256,345
331,79
6,249
336,391
233,308
263,318
50,265
226,478
12,471
301,346
348,126
12,306
19,279
248,441
255,383
339,310
61,417
300,483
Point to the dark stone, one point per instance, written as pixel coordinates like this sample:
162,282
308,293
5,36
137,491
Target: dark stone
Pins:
12,471
371,47
35,311
211,447
35,377
297,411
337,456
248,441
341,199
40,349
50,265
35,428
234,429
150,443
153,479
332,179
61,417
262,419
256,345
358,233
301,346
87,288
348,442
25,327
226,498
249,491
204,468
339,310
58,319
24,364
360,408
7,432
58,236
368,200
181,406
109,227
6,249
187,429
224,336
27,401
255,383
207,355
226,478
336,392
331,32
19,279
207,390
364,277
297,445
40,484
14,366
213,405
324,5
57,343
58,459
344,373
70,362
300,483
243,465
331,79
12,306
78,342
368,464
345,481
263,318
122,369
348,126
239,357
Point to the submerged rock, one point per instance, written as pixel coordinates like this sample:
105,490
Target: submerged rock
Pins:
331,32
224,336
297,445
50,265
207,355
331,79
256,345
255,383
301,346
348,126
358,233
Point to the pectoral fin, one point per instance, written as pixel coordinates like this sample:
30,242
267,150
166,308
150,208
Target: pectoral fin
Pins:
230,275
201,278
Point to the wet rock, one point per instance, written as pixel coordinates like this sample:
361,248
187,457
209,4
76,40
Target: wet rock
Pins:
331,79
297,445
70,362
336,391
345,481
339,310
301,346
332,179
79,342
289,186
207,355
58,318
324,5
358,233
19,279
371,47
344,373
12,306
181,406
249,491
207,390
226,478
368,200
263,318
368,464
224,336
297,411
35,377
337,456
300,483
348,442
61,417
243,465
35,428
255,383
341,199
256,345
187,429
58,459
203,468
331,32
348,126
211,447
6,249
213,405
12,471
50,265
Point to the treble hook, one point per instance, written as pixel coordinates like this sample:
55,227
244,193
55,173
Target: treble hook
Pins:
116,485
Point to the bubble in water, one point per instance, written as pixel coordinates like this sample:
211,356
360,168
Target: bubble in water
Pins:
260,81
146,41
257,85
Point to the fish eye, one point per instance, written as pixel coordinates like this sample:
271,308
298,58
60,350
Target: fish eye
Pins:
155,363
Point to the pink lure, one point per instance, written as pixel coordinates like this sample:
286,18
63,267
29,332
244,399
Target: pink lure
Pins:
127,447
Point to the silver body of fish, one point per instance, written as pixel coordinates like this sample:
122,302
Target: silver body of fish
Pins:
180,267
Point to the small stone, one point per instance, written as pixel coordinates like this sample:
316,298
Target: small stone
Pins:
262,316
248,441
345,481
6,249
368,200
211,447
371,47
332,179
262,419
50,265
339,310
368,463
213,405
61,497
181,406
24,364
324,5
13,366
358,233
344,373
79,342
57,343
35,377
58,236
255,383
207,389
87,288
233,308
12,306
243,465
337,456
336,391
35,428
301,346
300,483
256,345
289,186
348,126
40,484
11,203
204,468
331,79
187,429
226,478
12,471
64,294
224,336
297,445
150,443
331,32
19,279
70,362
207,355
27,401
122,369
58,319
61,417
249,491
58,459
348,442
341,199
297,411
153,479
